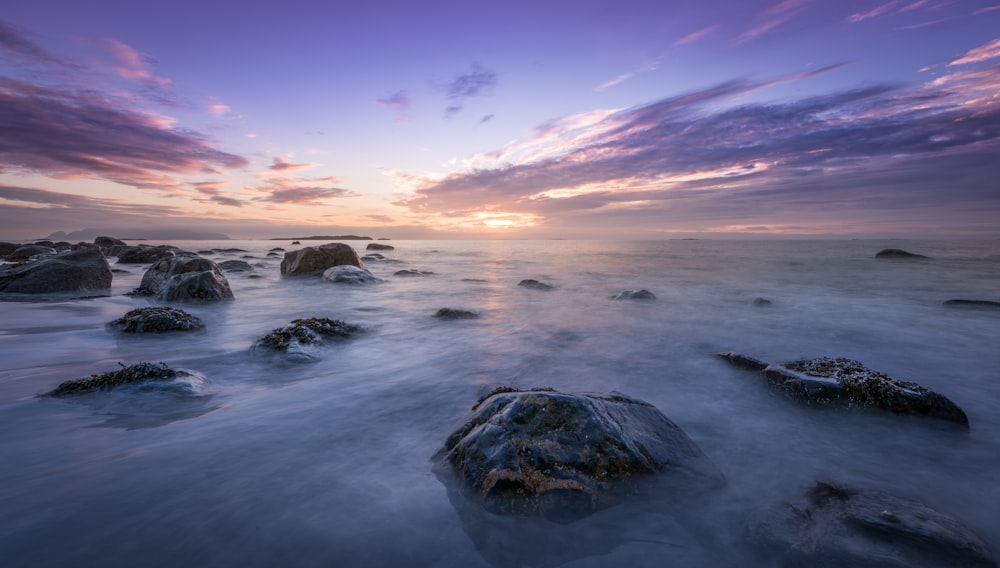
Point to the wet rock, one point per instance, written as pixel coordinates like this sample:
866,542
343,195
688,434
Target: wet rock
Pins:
314,260
379,246
157,319
138,374
79,271
7,248
293,339
349,274
762,302
535,285
276,249
184,278
635,295
106,244
846,382
453,313
411,273
235,266
973,304
897,253
230,250
145,254
296,243
564,456
25,252
835,526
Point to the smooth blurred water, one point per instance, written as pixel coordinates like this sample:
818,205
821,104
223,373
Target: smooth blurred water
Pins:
328,463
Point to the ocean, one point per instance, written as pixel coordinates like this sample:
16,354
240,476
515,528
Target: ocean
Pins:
328,463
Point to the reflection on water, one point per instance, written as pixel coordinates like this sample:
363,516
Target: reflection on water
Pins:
328,462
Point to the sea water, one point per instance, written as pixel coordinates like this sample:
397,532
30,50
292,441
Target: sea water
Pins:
329,463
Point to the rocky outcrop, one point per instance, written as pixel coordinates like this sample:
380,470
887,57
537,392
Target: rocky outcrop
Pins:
294,339
138,375
79,271
315,260
184,278
7,248
835,526
235,266
533,284
897,253
453,313
107,244
564,456
635,295
349,274
145,254
379,246
156,319
761,302
973,304
846,382
412,272
25,252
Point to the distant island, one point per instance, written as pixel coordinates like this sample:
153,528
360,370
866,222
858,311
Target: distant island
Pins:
138,235
324,238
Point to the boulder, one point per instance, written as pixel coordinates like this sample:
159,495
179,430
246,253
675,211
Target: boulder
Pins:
411,273
106,244
83,270
156,319
314,260
635,295
292,340
349,274
235,266
379,246
835,526
144,254
139,375
564,456
453,313
897,253
276,249
7,248
184,278
535,285
761,302
846,382
27,251
973,304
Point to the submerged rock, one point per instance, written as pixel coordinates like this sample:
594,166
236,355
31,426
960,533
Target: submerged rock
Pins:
235,266
973,304
184,278
348,274
635,295
144,254
453,313
78,271
412,272
291,338
314,260
847,382
535,284
157,319
897,253
25,252
762,302
834,526
379,246
564,456
137,374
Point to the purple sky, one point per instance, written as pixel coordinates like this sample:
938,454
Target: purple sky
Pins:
626,119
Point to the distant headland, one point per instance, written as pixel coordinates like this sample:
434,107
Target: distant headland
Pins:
139,235
326,238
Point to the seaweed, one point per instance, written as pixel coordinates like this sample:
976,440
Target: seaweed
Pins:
139,372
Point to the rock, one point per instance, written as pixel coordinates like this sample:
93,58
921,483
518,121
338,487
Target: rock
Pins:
230,250
140,374
834,526
156,320
897,253
185,278
349,274
379,246
273,255
106,244
235,266
314,260
296,243
144,254
291,338
761,302
534,285
27,251
635,295
78,271
7,248
564,456
973,304
452,313
846,382
410,272
276,249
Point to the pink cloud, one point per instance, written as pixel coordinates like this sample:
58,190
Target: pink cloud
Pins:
284,166
133,65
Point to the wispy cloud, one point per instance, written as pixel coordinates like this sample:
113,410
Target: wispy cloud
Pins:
696,36
400,102
18,44
773,18
282,165
477,81
877,11
313,191
980,54
132,65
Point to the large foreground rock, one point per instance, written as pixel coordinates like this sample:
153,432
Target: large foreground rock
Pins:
847,382
78,271
181,278
564,456
156,319
314,260
834,527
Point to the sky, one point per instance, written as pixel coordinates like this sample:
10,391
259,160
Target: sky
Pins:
517,119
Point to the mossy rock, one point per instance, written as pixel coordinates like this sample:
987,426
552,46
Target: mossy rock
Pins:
305,331
134,374
156,319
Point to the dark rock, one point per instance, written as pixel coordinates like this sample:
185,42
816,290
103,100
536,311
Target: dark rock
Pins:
83,270
897,253
230,250
277,249
106,245
273,255
349,274
27,251
314,260
291,338
410,272
973,304
534,285
452,313
379,246
846,382
156,320
7,248
235,266
762,302
635,295
45,243
206,252
138,374
185,278
144,254
564,456
835,526
296,243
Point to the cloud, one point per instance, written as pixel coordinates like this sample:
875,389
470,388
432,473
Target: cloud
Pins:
301,191
17,43
478,81
980,54
378,218
774,17
399,101
877,11
210,189
486,118
696,36
284,166
132,65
